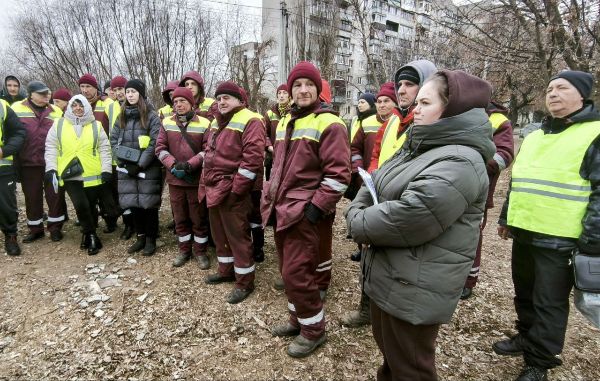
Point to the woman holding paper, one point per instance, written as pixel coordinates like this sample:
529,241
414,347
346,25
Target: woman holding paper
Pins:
78,157
133,139
423,232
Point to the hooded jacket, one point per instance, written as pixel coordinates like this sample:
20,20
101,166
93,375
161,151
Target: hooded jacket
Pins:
13,137
203,107
589,241
424,69
137,192
423,233
9,98
51,151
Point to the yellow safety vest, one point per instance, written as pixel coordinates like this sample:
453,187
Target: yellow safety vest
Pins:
548,195
84,147
310,127
273,116
102,106
24,111
497,119
205,105
114,110
390,143
239,121
194,127
8,160
165,111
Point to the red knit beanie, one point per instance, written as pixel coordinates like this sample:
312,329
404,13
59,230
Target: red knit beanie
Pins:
88,79
185,93
283,87
62,94
387,89
118,81
305,69
229,88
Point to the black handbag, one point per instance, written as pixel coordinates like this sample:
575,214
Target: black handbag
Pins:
128,154
73,169
586,270
124,153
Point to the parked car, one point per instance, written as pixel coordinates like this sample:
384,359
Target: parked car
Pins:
528,129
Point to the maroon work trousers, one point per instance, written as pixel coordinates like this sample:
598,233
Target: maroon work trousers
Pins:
298,251
325,229
408,350
231,232
34,189
191,219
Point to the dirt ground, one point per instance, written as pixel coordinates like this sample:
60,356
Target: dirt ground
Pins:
114,316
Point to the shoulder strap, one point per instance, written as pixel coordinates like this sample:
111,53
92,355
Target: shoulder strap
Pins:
59,128
95,128
189,140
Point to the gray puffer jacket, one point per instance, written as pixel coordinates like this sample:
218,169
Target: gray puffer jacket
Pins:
137,192
423,233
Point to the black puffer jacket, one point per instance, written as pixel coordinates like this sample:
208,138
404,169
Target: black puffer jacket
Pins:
589,241
136,192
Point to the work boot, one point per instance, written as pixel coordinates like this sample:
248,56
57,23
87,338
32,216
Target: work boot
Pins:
466,293
56,235
111,225
33,237
138,245
278,284
150,246
218,278
302,347
85,241
11,245
181,259
95,244
509,347
126,233
284,330
361,317
532,373
203,261
356,256
237,295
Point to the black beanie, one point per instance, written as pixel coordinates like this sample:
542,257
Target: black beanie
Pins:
409,74
582,81
138,85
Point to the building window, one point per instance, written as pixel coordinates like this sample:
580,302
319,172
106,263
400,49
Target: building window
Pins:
390,25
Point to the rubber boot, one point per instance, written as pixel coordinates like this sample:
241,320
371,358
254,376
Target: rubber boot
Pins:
95,244
150,246
258,242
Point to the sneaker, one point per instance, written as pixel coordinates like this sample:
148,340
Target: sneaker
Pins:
181,259
218,278
284,330
56,235
509,347
33,237
302,347
532,373
237,295
203,261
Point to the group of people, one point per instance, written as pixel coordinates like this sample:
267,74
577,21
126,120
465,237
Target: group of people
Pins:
419,164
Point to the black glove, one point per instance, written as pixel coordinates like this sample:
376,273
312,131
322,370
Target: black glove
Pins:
49,175
312,213
106,177
132,169
183,166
